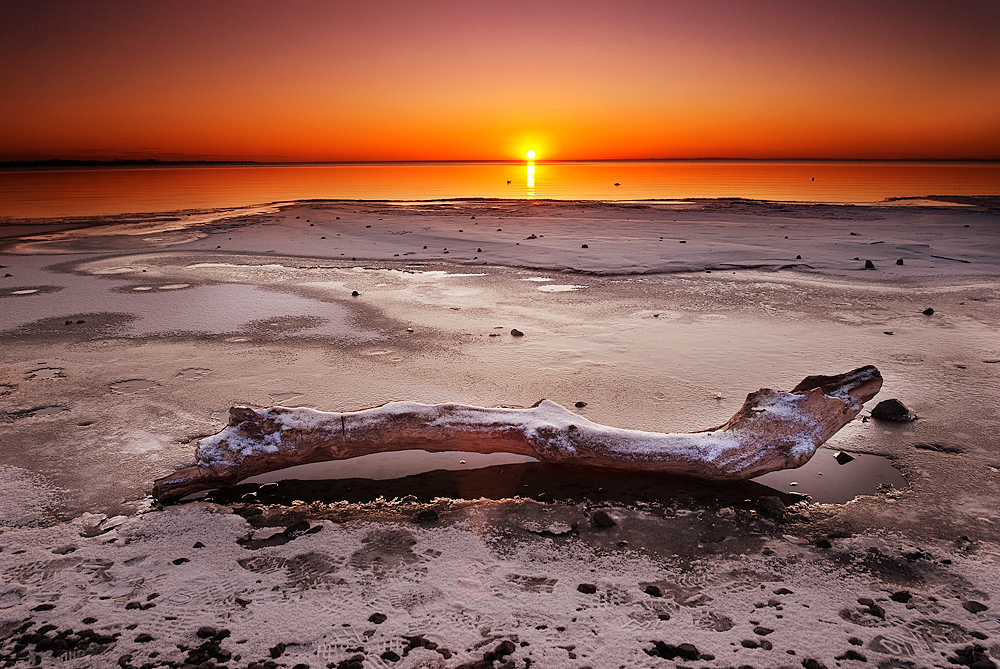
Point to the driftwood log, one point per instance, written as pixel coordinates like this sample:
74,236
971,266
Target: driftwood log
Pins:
772,430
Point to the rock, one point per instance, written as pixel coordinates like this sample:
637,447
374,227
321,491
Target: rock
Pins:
798,257
928,312
390,656
531,237
584,246
587,588
198,544
843,458
772,507
206,632
580,405
143,638
852,655
899,262
823,543
869,264
377,618
516,333
894,410
355,293
810,663
653,591
973,606
600,518
762,631
903,596
749,643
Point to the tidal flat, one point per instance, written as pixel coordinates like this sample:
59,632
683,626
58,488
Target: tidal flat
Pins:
126,340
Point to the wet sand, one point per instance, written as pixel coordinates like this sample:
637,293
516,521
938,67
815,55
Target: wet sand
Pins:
125,342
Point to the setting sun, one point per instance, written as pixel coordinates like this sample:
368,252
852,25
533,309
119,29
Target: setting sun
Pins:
530,154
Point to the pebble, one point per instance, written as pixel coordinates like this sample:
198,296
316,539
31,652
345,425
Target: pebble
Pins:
600,518
516,333
869,264
584,247
899,262
843,458
355,293
580,405
587,588
928,312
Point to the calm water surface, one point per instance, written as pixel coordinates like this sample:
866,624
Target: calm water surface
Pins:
32,193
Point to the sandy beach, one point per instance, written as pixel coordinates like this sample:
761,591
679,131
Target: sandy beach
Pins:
127,339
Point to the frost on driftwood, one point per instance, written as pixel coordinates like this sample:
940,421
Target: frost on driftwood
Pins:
772,430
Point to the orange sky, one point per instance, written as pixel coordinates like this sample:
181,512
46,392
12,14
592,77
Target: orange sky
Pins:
469,79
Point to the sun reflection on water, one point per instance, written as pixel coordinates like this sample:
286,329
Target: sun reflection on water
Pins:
531,180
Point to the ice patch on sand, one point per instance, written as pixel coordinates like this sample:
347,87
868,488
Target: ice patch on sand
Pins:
559,288
24,498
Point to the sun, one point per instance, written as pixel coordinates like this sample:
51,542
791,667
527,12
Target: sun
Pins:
530,154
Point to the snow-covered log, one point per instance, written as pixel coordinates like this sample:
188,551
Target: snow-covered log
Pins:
772,430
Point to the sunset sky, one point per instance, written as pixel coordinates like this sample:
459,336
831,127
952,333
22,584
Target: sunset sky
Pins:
468,79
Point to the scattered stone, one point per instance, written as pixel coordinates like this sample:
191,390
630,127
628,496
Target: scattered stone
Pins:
893,409
972,606
600,518
580,405
198,544
852,655
584,246
903,596
682,242
180,561
653,591
516,333
899,262
872,607
479,250
587,588
44,607
869,264
377,618
975,656
427,516
798,257
843,458
531,237
279,649
355,293
854,234
771,507
143,638
823,543
669,651
762,631
810,663
390,656
928,311
749,643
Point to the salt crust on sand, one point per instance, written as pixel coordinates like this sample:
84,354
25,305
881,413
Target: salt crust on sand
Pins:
470,585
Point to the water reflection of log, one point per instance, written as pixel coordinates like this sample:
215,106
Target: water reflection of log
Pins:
772,430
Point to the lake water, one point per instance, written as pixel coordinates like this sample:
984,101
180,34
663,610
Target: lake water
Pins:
39,193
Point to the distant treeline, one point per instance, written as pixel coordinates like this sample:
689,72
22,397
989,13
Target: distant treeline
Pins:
72,162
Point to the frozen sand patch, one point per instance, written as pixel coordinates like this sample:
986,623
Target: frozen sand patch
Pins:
560,288
25,499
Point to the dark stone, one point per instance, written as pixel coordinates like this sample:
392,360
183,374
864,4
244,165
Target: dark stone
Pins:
798,257
355,293
772,507
180,561
587,588
873,608
973,606
903,596
928,312
892,409
279,649
669,651
823,543
143,638
427,516
600,518
206,632
653,591
531,236
852,655
580,405
377,618
899,262
44,607
843,458
516,333
762,631
301,665
390,656
198,544
479,250
869,264
749,643
584,246
783,591
810,663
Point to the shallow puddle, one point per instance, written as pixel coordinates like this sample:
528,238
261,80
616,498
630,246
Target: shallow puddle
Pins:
823,479
46,373
133,385
49,411
827,481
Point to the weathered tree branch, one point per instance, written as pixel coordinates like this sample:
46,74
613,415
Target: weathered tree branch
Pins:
773,430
